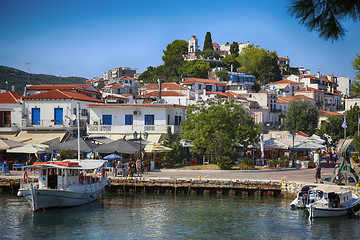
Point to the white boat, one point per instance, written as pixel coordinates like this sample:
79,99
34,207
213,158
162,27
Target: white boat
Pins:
331,201
63,183
302,197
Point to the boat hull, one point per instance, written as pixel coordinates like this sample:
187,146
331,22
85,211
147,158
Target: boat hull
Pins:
50,198
323,212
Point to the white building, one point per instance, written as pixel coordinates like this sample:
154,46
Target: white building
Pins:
116,121
284,88
10,113
55,109
344,85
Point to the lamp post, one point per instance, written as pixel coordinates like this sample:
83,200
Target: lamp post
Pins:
139,136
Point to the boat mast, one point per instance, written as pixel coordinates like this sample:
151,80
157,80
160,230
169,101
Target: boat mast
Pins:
78,129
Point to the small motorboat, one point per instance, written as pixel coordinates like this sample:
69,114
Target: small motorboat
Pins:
65,183
302,197
331,201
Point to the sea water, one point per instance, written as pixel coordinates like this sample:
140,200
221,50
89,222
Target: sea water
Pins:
170,217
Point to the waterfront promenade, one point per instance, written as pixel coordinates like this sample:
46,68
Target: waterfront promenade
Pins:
292,175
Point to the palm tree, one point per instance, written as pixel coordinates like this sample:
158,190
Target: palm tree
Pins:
325,16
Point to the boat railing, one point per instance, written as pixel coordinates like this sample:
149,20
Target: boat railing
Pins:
29,177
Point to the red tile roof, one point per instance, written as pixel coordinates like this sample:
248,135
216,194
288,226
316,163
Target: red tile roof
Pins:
324,113
284,81
168,86
215,44
58,94
288,99
164,94
136,105
309,89
202,80
10,97
47,87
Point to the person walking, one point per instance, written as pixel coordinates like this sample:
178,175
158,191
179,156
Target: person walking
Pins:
318,173
138,167
337,174
131,167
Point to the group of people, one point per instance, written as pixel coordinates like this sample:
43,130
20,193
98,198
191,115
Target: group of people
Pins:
130,168
337,174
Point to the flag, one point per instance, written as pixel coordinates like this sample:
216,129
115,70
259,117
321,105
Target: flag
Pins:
344,123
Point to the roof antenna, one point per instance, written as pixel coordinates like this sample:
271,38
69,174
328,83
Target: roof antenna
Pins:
28,67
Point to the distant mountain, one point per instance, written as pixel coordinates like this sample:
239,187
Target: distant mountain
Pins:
20,79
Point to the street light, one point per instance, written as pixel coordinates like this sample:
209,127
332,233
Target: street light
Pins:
139,136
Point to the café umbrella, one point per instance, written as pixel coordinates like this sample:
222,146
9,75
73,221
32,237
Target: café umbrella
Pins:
7,144
113,156
121,146
29,148
85,146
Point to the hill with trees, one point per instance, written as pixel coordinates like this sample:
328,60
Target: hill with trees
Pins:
14,77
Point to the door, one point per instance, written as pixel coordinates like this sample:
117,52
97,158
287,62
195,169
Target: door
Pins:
35,116
58,116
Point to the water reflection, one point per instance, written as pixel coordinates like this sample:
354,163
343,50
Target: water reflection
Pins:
170,217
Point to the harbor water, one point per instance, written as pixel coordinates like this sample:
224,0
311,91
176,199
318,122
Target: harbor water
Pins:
170,217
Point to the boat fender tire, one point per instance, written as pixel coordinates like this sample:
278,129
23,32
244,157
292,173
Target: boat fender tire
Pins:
81,178
25,176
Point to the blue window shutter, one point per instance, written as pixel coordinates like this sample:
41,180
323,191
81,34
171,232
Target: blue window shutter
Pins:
107,119
129,119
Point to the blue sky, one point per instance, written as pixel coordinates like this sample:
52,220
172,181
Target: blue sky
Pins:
85,38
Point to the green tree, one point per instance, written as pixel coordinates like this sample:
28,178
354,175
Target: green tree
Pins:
301,116
356,84
208,42
152,74
352,116
210,53
261,63
229,61
196,68
217,128
234,48
222,75
177,155
332,127
325,16
174,59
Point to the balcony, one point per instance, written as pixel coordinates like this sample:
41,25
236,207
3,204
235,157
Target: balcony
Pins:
129,129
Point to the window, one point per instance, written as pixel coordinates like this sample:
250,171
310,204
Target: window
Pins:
199,87
149,120
107,119
168,120
177,120
74,111
129,119
84,112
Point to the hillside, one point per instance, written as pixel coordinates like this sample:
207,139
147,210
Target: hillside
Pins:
19,79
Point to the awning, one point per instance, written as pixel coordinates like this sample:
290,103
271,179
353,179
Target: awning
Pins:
50,138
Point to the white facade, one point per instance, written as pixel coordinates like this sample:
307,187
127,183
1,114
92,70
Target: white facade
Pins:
15,110
344,84
119,120
47,109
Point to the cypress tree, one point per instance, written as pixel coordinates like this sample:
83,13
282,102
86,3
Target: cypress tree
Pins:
208,41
